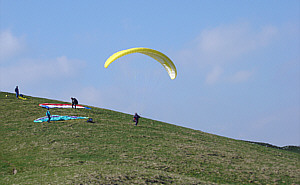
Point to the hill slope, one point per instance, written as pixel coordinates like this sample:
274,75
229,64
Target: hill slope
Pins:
113,151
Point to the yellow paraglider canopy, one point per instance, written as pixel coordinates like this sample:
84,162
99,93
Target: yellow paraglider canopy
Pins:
158,56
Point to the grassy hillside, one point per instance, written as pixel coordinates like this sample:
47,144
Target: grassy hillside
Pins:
114,151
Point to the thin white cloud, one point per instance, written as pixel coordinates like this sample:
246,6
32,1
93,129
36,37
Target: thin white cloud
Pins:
10,45
267,34
90,95
224,46
264,122
214,75
106,97
226,43
285,120
241,76
39,71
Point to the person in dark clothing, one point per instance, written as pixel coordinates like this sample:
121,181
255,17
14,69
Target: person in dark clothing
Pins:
17,91
74,102
136,118
48,114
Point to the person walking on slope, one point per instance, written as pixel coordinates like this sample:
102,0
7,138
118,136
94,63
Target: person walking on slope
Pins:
136,119
74,102
17,91
48,114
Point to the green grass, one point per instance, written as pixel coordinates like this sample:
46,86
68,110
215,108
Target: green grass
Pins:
114,151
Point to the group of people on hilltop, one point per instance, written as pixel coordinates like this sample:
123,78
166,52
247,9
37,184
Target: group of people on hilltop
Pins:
136,117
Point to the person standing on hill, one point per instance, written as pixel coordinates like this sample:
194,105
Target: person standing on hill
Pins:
48,114
17,91
74,102
136,119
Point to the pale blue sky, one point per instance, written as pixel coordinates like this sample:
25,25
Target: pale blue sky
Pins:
238,62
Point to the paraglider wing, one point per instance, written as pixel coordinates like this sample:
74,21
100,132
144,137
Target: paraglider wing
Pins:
158,56
56,105
58,118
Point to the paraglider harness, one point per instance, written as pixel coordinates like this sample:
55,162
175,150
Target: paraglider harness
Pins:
90,120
